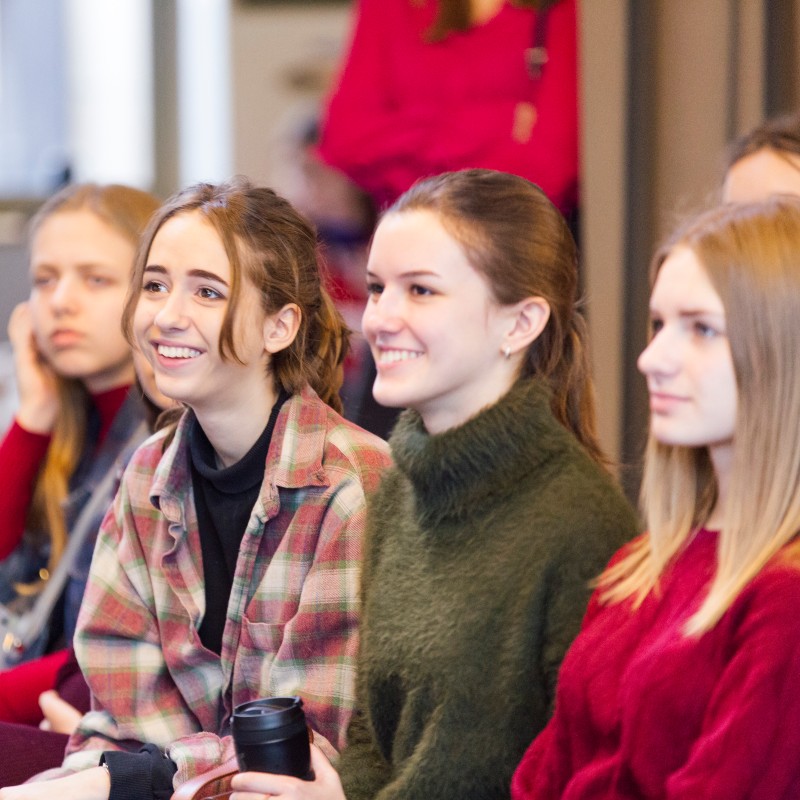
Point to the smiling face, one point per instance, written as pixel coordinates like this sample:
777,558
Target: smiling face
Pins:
688,364
761,174
179,316
80,268
435,331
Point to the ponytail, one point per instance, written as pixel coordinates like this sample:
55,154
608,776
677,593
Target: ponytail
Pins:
333,344
573,400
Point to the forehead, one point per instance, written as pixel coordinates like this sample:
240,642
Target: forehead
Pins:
761,174
417,240
82,236
683,283
188,239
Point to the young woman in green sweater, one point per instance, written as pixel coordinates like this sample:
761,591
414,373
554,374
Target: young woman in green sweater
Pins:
484,536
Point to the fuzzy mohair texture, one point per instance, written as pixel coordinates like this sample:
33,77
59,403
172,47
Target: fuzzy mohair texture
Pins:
482,541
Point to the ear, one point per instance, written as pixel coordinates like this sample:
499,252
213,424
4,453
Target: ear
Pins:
528,319
280,328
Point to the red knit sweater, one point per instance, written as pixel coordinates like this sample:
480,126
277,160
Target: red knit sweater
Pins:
644,712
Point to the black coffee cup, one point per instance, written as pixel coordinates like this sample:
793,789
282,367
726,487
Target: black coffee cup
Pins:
271,735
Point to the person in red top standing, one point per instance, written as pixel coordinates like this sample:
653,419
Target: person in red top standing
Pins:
435,85
683,681
78,412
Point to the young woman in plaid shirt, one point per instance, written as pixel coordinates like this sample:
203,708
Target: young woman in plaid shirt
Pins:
227,569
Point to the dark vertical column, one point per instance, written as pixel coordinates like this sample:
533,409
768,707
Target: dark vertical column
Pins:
639,235
782,57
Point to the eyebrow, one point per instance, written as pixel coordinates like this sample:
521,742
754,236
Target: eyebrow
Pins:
193,273
415,273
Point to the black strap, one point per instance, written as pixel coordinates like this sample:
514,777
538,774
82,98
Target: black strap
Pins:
536,55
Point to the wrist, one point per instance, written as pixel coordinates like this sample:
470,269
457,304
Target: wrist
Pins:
37,417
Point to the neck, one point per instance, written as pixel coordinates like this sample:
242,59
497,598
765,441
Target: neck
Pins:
108,404
233,431
483,10
721,460
122,375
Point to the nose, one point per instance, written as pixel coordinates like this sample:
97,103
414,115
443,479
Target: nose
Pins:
64,299
171,314
660,356
382,314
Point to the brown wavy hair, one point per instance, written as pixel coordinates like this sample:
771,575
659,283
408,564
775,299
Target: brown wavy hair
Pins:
271,243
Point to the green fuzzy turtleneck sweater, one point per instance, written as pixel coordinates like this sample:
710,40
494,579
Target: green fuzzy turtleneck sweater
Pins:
482,541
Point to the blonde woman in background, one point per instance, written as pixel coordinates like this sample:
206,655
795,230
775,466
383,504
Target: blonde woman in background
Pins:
79,410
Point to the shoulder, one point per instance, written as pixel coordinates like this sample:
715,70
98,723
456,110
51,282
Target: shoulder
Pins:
579,494
772,598
148,454
312,439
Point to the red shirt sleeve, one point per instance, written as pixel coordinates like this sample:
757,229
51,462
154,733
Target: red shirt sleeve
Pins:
22,453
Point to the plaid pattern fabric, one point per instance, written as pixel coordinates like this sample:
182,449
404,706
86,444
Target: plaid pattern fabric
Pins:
293,610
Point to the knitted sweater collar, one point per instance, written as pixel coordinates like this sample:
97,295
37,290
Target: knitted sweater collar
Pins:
482,461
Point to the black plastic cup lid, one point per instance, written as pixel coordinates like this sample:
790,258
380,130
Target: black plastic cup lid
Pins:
267,713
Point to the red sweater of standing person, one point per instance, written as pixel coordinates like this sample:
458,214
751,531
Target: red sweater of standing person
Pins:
643,711
406,108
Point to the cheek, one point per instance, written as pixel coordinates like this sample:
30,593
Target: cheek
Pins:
142,319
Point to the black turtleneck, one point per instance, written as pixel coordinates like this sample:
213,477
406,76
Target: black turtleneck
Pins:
224,499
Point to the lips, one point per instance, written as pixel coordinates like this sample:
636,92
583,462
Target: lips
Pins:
66,337
663,402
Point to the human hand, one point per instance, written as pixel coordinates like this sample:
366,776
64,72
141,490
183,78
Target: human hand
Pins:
36,382
90,784
259,785
59,715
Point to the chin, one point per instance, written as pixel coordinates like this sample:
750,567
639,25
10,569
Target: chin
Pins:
388,399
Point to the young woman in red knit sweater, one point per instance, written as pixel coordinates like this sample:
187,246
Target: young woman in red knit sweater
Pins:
683,681
77,410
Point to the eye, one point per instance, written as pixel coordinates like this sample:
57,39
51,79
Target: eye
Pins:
704,330
98,280
655,326
42,280
207,293
374,288
420,291
153,287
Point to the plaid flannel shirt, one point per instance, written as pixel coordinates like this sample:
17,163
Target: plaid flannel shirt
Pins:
293,612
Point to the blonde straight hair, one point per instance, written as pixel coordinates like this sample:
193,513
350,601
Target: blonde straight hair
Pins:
751,254
127,211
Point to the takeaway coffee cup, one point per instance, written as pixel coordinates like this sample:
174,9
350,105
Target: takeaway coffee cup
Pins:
271,735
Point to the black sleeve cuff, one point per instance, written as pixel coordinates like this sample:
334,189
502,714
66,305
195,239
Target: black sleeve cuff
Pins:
139,776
